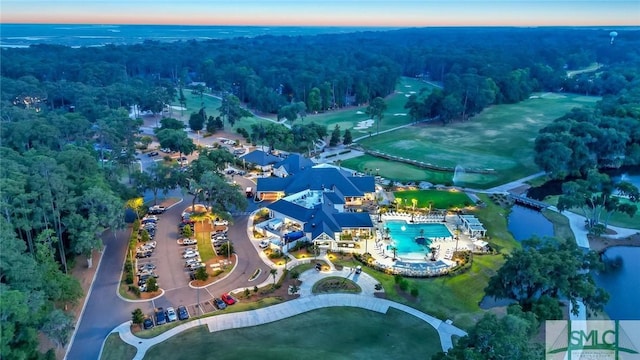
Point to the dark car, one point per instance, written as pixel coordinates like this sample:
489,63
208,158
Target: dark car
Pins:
153,153
161,317
318,266
183,314
144,254
219,304
147,323
358,269
228,299
146,266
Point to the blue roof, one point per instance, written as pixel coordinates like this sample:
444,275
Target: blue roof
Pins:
294,163
271,184
327,178
323,218
333,197
260,158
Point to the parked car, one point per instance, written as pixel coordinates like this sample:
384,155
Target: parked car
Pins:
147,323
190,254
149,226
147,273
220,222
153,153
144,254
183,313
161,317
318,266
146,266
195,266
191,261
264,244
228,299
231,171
219,236
219,304
150,244
145,248
358,269
188,241
157,209
149,218
171,314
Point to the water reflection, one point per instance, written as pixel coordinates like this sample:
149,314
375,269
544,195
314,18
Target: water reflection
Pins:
525,223
621,282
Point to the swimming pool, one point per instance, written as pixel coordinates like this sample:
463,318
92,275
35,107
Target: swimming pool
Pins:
403,235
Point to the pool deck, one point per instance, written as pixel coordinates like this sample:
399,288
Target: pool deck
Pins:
446,245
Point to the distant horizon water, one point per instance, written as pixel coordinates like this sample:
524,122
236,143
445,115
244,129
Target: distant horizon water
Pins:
78,35
87,35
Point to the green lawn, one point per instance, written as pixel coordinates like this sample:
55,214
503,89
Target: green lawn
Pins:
332,333
116,349
439,199
395,114
204,246
617,218
211,104
499,138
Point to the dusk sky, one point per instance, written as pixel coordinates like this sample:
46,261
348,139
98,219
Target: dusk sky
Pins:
396,13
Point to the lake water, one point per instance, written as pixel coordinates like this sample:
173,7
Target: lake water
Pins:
622,284
525,223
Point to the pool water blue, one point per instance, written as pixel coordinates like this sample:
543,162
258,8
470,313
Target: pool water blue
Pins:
404,234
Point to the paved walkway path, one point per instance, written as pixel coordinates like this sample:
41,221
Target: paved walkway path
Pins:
307,302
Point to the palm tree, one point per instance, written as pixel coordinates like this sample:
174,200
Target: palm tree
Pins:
273,273
398,201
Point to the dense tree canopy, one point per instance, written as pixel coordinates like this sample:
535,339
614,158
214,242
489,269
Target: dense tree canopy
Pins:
66,133
494,338
544,271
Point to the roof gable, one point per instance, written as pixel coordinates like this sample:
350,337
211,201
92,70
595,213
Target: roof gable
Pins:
261,158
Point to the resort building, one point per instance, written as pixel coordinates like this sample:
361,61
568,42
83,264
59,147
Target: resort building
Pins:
322,203
291,165
261,159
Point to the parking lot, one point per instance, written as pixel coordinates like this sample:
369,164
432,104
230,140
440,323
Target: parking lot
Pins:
173,276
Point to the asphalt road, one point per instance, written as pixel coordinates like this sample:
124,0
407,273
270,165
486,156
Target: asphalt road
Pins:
105,309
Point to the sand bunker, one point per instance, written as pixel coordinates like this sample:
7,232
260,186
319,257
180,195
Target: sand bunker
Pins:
363,125
359,112
178,108
407,86
400,114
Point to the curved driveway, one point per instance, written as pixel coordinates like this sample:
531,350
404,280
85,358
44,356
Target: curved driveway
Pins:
306,302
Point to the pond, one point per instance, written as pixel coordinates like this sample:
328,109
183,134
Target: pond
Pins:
525,223
622,282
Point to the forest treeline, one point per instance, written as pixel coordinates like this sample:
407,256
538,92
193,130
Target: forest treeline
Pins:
63,108
478,67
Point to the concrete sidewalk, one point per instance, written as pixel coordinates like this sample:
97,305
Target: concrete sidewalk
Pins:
307,302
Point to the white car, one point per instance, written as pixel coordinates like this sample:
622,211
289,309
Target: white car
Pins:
149,218
221,223
157,209
195,266
189,241
191,261
264,244
190,254
171,314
